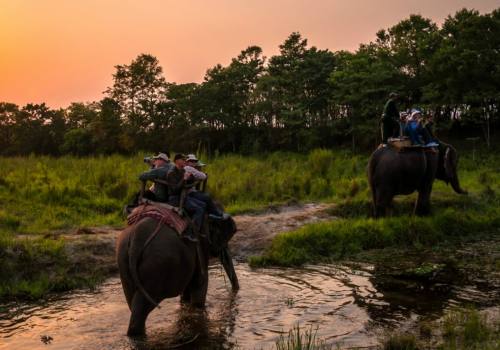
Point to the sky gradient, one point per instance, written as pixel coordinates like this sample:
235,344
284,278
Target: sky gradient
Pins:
63,51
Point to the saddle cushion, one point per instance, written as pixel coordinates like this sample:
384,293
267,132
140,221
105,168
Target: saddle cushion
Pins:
165,216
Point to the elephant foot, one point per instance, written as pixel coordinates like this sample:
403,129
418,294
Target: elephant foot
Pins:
136,332
141,308
198,304
422,211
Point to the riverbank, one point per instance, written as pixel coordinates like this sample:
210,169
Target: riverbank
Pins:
404,276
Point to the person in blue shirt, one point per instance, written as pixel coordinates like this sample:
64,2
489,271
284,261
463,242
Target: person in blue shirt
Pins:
417,133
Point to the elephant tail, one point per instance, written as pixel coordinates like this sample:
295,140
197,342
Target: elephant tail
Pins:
371,172
136,248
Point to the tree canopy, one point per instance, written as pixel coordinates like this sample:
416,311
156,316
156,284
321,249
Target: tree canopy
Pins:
301,98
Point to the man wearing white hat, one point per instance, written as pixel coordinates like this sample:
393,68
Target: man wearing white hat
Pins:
192,168
415,130
161,167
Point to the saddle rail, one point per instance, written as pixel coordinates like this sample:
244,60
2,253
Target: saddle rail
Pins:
179,209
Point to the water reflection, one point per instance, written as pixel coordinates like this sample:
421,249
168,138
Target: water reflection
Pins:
346,305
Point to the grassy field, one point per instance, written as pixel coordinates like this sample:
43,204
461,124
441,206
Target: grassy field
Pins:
42,195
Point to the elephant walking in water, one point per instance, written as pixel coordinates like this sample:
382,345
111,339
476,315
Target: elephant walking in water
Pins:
156,263
392,172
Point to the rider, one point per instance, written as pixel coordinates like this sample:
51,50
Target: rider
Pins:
161,166
192,167
177,178
418,134
390,118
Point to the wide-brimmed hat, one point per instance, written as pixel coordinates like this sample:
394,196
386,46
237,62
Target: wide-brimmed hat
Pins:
161,156
415,113
192,157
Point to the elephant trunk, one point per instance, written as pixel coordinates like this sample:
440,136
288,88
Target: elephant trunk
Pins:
455,184
450,163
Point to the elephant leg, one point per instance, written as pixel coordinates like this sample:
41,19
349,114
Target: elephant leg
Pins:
198,291
128,289
423,203
141,307
186,296
383,201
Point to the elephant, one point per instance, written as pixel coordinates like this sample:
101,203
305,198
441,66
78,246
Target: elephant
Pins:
392,172
156,263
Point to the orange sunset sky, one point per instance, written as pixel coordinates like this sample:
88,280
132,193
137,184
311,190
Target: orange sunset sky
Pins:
63,51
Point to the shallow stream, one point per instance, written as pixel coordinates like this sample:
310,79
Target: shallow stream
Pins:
341,303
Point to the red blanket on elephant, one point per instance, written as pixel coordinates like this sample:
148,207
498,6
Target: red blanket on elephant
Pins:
165,216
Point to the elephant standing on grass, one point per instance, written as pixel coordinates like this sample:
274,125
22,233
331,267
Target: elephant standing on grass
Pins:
158,265
414,169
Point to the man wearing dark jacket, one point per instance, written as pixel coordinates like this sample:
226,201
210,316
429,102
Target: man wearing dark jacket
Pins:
161,166
177,178
390,118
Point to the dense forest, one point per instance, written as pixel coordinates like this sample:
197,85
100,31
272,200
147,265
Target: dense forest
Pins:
300,99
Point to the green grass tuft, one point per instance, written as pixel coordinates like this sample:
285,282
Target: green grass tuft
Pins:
300,339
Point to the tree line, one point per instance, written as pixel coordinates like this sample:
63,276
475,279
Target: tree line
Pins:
299,99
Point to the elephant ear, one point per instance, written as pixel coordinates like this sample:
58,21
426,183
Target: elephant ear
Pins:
448,166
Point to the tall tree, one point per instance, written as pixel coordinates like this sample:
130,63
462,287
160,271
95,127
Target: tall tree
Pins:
360,85
139,89
410,45
8,113
106,129
227,95
294,94
467,69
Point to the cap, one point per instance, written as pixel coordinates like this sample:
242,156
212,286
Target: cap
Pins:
161,156
179,156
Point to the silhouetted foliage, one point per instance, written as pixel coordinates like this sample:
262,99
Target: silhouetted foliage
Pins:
300,99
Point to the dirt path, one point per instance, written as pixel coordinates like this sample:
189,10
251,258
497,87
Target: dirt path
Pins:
255,232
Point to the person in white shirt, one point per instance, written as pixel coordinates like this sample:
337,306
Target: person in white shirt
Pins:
191,169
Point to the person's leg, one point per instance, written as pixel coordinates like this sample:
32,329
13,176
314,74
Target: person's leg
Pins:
210,205
149,195
386,130
197,210
395,128
412,131
174,200
427,137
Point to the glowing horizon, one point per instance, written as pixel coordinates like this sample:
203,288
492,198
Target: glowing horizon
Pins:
58,51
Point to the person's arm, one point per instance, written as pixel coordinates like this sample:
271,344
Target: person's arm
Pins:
175,183
152,174
198,175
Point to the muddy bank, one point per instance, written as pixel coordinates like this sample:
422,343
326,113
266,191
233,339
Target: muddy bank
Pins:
256,231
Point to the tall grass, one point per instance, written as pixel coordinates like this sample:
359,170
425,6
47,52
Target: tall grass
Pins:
460,329
301,339
45,194
40,194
